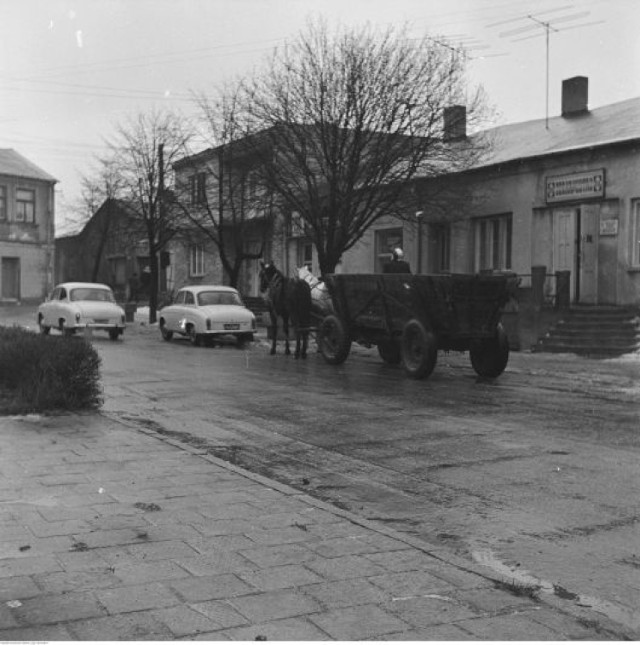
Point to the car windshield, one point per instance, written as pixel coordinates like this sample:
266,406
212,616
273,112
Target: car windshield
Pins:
206,298
91,293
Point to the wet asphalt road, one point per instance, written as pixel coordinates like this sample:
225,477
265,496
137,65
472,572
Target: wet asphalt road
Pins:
534,474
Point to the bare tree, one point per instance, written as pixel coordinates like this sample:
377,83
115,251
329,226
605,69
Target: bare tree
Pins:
99,190
143,151
348,120
219,192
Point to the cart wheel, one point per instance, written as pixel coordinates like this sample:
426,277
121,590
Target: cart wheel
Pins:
419,349
489,356
333,340
389,351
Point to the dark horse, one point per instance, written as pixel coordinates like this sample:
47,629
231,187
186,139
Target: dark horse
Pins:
290,299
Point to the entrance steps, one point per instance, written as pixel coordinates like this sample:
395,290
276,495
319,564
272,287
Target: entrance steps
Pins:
602,331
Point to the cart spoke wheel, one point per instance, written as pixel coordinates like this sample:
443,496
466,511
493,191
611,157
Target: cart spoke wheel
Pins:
489,356
419,349
333,340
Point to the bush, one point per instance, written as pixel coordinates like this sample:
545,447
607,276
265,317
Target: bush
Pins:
45,373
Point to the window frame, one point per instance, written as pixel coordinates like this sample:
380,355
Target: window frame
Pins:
635,235
25,217
386,239
196,260
198,188
3,203
493,242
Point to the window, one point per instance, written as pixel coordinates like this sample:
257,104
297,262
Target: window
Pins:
198,188
196,260
635,252
189,298
439,248
386,241
3,203
305,254
492,236
25,205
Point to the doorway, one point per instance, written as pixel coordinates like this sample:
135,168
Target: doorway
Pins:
10,279
575,249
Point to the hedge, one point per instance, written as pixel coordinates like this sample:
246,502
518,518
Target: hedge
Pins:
46,373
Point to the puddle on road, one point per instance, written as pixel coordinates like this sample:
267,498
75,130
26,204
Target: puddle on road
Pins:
628,617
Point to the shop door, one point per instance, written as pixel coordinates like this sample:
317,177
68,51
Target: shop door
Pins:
10,279
588,257
564,244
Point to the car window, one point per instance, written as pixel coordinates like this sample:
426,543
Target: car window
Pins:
93,294
179,299
189,299
55,294
63,294
218,298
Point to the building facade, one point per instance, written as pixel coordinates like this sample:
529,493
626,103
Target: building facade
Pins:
561,193
27,212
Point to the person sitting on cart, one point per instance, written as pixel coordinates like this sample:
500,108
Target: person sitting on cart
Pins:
397,264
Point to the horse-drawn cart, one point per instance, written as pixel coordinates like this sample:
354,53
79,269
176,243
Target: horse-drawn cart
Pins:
410,317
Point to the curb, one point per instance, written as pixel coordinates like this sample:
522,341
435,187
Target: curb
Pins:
584,615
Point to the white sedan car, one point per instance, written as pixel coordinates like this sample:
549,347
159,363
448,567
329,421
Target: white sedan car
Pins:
207,312
74,306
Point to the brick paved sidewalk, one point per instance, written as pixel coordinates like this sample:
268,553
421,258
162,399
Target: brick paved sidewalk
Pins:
113,533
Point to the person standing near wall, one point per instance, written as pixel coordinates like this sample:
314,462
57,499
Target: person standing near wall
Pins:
397,264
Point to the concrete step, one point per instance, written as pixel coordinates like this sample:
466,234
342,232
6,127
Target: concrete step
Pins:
596,331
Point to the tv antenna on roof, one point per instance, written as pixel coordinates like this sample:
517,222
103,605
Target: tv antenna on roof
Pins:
548,27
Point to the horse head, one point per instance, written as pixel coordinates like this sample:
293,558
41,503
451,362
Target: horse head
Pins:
267,272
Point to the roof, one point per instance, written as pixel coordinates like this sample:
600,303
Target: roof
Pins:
83,285
197,288
14,164
615,123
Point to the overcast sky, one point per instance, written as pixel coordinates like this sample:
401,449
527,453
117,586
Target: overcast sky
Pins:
71,69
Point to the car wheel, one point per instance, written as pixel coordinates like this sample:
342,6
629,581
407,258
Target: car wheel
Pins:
44,329
166,334
114,333
194,337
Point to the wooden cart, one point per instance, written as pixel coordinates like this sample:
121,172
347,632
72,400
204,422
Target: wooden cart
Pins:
410,317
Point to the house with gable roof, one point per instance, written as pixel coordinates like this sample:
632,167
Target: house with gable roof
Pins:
27,210
557,200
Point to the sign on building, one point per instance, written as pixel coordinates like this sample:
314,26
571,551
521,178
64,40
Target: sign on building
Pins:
576,186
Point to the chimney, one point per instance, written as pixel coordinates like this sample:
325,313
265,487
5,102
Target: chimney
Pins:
455,122
575,96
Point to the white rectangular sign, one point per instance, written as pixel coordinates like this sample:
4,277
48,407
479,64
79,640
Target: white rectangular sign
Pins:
576,186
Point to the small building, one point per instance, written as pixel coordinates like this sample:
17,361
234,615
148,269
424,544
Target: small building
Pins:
110,248
27,212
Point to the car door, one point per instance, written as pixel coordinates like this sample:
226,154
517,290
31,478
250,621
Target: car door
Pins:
190,313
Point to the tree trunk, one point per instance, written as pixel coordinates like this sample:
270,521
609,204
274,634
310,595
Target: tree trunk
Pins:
153,287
